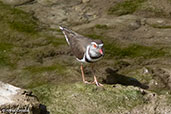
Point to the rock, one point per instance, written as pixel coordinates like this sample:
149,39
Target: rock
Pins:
163,76
6,92
158,22
16,2
58,2
17,100
156,104
85,1
59,12
62,12
122,23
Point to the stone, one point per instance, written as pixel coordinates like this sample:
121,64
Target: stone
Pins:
16,2
85,1
17,100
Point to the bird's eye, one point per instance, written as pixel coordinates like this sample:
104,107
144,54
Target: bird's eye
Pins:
94,45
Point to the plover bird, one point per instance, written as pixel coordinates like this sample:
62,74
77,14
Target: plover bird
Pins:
86,50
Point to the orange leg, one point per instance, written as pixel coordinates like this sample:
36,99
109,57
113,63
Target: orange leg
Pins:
96,82
95,79
83,77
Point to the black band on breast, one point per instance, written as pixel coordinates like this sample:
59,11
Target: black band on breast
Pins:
95,57
88,60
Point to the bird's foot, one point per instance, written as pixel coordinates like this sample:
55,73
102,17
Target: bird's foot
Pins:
86,82
97,84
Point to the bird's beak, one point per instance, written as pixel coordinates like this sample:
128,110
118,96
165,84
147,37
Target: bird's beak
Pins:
101,52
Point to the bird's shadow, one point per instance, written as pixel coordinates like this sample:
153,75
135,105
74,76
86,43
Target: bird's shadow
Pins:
114,78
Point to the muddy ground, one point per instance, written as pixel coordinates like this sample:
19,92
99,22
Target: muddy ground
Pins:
136,70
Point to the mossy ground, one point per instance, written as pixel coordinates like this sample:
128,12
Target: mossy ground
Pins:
133,6
134,51
22,42
31,58
5,49
99,26
18,20
87,99
161,26
125,7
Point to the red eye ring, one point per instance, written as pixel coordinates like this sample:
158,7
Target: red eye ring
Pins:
94,45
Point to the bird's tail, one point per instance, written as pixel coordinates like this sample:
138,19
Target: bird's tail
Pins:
64,31
67,30
60,27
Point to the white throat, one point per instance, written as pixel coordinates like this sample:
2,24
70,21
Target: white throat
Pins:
88,56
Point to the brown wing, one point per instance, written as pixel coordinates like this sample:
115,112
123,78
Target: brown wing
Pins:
77,42
77,49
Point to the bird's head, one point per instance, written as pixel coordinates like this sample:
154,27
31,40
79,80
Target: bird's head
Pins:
96,49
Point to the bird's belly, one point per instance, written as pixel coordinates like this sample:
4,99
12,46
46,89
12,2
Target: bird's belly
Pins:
81,60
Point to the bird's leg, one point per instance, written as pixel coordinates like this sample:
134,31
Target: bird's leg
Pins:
96,82
95,79
82,73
